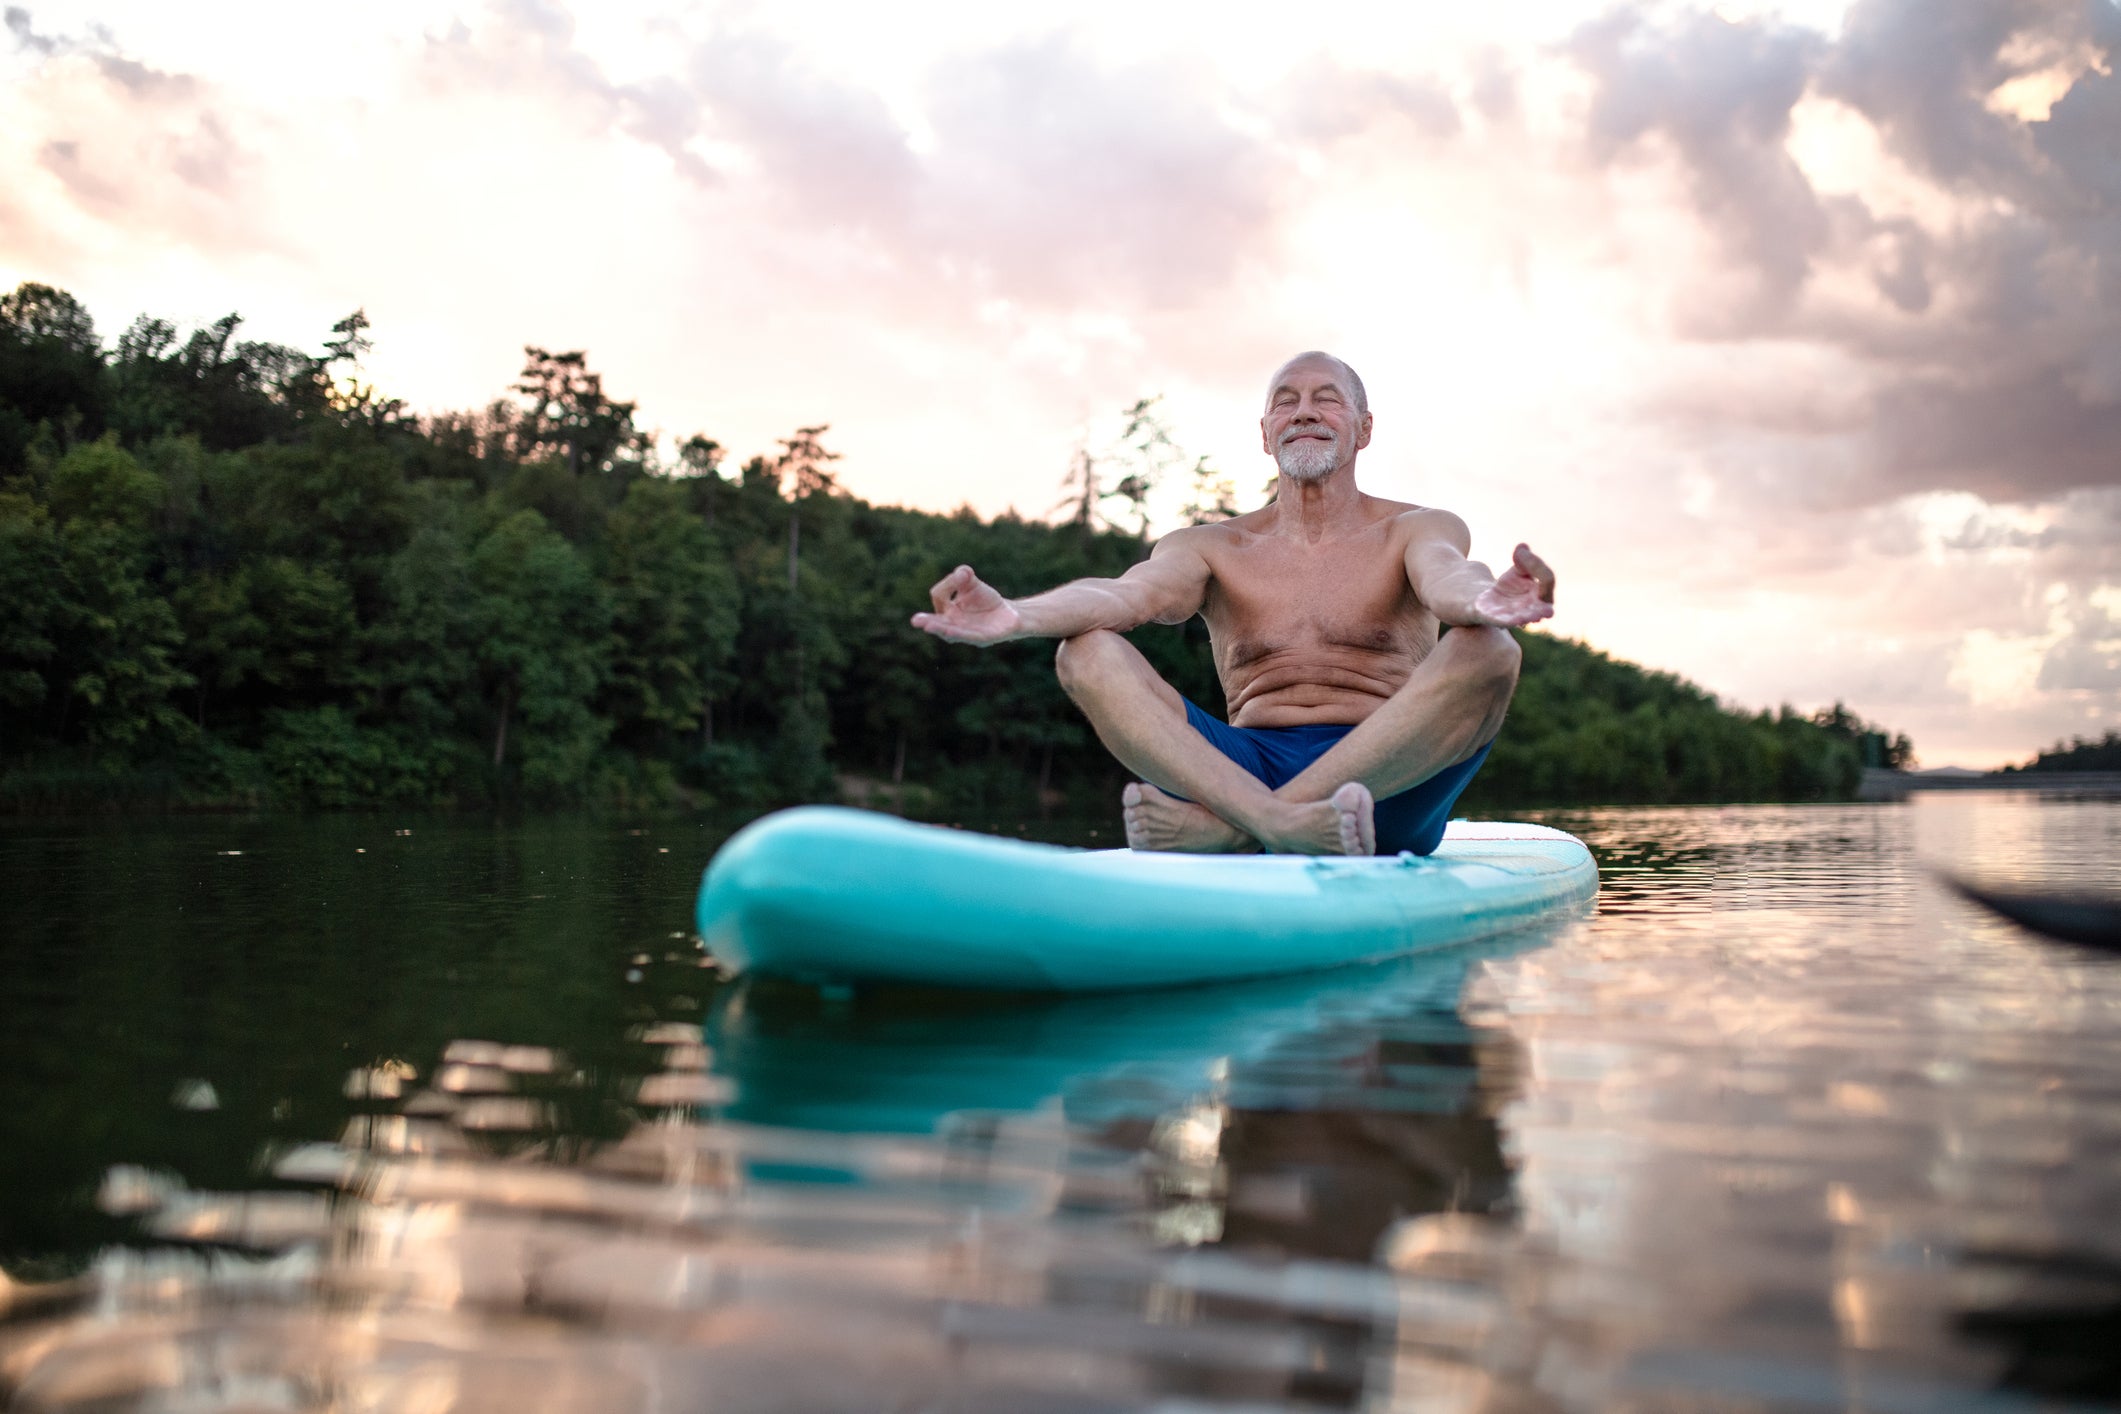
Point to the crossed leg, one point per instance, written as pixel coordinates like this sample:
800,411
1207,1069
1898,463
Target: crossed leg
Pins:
1142,720
1450,707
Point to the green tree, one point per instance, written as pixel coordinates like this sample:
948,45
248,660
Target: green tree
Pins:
2082,754
543,648
801,467
1145,454
227,392
91,628
272,633
233,569
51,372
566,413
1876,748
674,603
423,678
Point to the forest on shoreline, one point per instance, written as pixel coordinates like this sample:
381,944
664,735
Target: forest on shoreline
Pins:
238,577
2078,754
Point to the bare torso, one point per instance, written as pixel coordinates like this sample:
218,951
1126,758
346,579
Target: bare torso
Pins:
1313,631
1313,609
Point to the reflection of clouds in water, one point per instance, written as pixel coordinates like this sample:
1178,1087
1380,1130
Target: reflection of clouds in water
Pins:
1831,1074
1784,1126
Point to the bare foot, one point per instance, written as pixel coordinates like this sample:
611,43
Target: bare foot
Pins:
1156,821
1358,818
1345,824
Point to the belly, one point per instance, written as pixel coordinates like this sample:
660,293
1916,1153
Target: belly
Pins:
1313,685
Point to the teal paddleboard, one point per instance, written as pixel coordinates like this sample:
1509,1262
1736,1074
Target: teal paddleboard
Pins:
846,896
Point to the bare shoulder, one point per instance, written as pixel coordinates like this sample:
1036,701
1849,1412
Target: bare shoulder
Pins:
1430,525
1186,540
1203,541
1190,549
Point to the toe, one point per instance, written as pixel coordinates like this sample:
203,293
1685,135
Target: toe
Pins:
1358,825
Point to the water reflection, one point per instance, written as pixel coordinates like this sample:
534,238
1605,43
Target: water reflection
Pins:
1017,1261
1826,1066
1786,1126
899,1060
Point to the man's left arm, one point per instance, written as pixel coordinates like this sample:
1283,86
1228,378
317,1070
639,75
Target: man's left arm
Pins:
1462,591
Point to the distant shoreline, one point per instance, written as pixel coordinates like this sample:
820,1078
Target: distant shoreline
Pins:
1898,785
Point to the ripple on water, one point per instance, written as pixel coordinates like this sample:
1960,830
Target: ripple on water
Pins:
1786,1126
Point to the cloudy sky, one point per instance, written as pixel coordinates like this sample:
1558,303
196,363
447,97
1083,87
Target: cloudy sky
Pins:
1790,333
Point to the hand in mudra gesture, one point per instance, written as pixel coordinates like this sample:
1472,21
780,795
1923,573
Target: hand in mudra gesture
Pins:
968,610
1521,594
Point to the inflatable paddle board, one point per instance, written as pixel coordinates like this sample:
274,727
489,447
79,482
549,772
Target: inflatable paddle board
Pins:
832,895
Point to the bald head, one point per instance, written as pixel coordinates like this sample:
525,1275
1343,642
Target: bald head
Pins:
1317,417
1349,380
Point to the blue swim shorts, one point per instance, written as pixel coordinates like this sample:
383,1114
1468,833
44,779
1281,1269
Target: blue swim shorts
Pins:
1412,821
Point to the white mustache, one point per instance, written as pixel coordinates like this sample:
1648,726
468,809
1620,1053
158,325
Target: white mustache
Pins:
1307,452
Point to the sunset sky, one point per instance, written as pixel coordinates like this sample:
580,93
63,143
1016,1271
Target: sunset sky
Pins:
1790,334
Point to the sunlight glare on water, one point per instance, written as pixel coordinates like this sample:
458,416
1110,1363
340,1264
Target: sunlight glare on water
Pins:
1786,1125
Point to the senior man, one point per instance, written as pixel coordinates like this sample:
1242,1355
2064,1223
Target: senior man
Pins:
1354,720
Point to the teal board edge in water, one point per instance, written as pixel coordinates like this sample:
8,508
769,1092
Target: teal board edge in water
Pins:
826,894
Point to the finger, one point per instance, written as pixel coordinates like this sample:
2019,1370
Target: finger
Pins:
946,589
1537,568
937,625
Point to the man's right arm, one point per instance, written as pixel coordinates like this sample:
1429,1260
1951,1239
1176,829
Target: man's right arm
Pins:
1168,587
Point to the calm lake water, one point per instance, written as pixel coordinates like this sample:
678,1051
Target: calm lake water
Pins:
418,1114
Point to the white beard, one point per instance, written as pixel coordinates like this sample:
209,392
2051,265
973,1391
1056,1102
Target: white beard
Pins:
1305,459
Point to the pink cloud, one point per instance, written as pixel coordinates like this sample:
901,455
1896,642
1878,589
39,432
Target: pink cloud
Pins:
1728,403
1990,365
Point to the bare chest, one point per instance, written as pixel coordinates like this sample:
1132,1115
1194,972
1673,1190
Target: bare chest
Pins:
1270,600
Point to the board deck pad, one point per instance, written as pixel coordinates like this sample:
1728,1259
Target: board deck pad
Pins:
828,894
